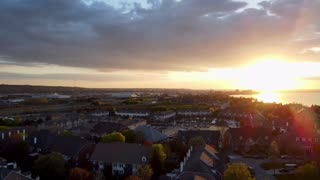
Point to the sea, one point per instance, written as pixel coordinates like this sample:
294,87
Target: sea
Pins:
305,98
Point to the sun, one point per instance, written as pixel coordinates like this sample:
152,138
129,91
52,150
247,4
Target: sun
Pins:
268,75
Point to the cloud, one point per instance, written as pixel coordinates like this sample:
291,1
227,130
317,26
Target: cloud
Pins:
170,35
103,77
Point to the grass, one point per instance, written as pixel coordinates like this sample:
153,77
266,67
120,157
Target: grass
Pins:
272,165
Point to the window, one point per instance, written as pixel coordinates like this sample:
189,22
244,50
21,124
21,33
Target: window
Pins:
315,139
297,139
309,139
303,139
240,137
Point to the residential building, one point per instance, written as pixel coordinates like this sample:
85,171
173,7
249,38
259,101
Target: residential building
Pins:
103,128
123,158
132,113
194,112
151,135
164,115
213,138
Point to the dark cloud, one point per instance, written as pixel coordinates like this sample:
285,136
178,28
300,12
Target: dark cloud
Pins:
171,35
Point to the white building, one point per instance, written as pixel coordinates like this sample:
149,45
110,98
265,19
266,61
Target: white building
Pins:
164,115
192,112
132,113
100,113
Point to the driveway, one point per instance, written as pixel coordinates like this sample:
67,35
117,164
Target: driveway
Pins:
260,174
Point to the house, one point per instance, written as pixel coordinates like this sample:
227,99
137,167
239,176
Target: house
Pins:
21,131
194,112
202,163
171,131
307,141
132,113
134,123
123,158
44,141
242,139
213,138
64,122
150,134
103,128
164,115
100,113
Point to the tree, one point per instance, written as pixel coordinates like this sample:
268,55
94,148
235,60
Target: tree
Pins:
197,141
50,166
113,137
79,174
130,136
145,172
237,171
308,171
158,156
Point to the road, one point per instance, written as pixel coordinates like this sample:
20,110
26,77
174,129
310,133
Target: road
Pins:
260,174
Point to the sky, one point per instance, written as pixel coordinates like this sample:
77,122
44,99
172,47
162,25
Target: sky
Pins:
207,44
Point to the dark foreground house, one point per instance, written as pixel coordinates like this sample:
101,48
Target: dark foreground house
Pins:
15,176
123,158
69,146
202,163
213,138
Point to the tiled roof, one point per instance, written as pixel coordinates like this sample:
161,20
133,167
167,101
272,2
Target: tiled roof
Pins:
121,152
16,176
151,134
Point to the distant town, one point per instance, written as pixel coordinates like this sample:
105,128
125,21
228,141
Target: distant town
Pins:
51,133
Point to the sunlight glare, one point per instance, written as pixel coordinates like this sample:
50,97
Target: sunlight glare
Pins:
268,97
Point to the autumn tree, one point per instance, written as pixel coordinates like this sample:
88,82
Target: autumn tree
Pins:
129,135
237,171
145,172
158,157
79,174
113,137
50,166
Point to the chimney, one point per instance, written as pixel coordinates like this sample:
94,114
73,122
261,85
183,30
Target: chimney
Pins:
2,135
181,166
23,137
35,140
24,131
9,133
